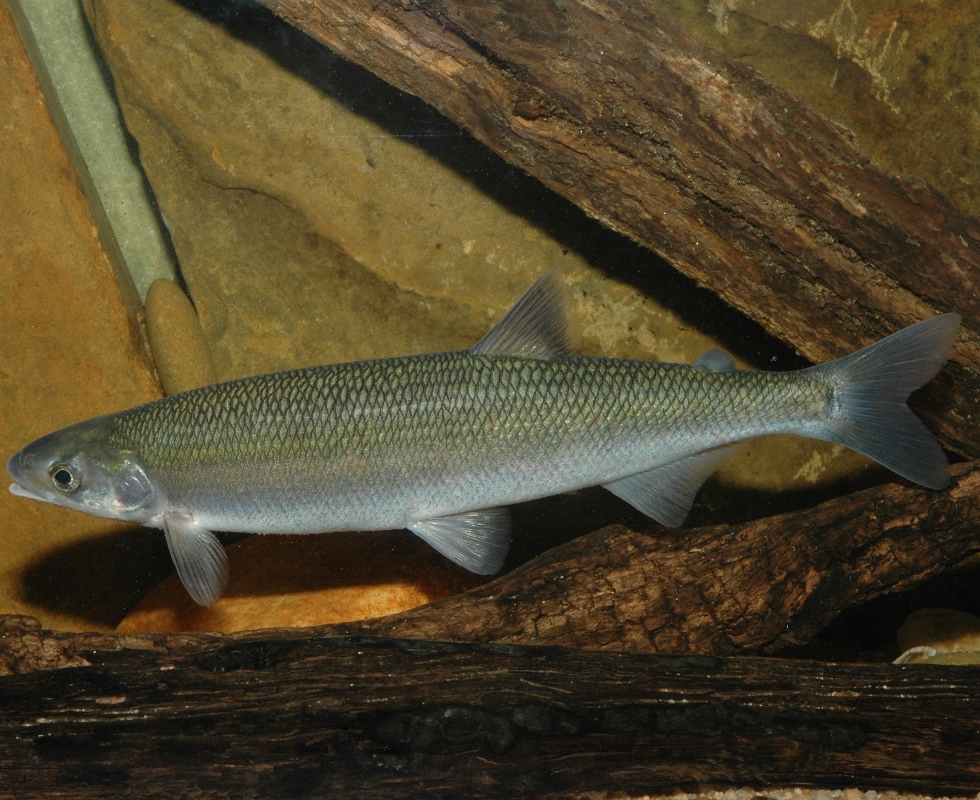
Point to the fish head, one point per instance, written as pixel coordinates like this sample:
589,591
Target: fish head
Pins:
79,467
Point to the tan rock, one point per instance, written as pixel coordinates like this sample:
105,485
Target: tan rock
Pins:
308,580
941,635
70,350
307,232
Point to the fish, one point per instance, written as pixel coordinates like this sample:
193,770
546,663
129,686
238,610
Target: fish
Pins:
442,443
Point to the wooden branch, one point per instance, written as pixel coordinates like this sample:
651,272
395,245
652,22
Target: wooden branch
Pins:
329,717
694,155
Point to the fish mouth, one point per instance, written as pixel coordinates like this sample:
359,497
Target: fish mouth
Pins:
16,471
20,491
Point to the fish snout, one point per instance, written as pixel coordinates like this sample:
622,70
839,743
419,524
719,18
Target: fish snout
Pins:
15,467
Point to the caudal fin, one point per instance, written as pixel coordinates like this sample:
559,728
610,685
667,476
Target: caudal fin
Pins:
872,387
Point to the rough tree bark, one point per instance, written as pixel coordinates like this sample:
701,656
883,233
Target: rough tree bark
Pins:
328,717
695,155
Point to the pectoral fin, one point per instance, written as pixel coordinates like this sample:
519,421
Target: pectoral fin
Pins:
667,493
198,555
476,540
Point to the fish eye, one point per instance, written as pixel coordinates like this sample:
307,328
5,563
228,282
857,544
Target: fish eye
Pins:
64,478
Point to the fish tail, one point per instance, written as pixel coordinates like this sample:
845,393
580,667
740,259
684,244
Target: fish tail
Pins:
869,412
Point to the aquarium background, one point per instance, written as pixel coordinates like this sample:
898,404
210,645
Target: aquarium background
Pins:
313,214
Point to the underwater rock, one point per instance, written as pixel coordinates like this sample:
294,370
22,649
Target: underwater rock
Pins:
180,351
940,636
310,227
308,580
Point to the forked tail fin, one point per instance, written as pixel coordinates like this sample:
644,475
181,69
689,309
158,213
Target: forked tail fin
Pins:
872,386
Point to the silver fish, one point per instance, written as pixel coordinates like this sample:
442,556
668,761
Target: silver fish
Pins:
439,443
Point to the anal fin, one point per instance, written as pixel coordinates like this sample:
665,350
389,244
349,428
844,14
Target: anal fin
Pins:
476,540
667,493
198,555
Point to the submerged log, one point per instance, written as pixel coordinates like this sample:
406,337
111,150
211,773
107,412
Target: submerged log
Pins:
334,717
734,181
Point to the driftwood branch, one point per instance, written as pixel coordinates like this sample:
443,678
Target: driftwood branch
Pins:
694,155
329,717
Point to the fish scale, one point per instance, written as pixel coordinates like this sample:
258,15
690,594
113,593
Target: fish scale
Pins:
441,443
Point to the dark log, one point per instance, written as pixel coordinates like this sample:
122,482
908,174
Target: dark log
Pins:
694,155
332,717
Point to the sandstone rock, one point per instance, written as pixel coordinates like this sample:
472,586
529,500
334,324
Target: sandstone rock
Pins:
308,580
941,636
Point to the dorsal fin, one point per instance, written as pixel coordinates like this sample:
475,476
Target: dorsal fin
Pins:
540,324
